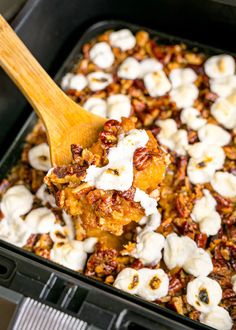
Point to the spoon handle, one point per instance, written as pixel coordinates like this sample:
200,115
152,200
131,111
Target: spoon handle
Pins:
39,89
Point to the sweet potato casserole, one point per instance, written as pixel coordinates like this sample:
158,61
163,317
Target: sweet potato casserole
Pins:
151,207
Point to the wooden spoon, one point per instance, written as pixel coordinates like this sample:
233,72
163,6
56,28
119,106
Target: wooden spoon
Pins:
65,121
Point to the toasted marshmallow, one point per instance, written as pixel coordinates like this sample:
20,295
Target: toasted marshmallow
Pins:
118,106
97,106
192,118
180,139
118,173
59,233
204,162
129,69
152,222
182,76
89,244
171,137
148,203
205,214
168,129
232,98
203,206
211,224
224,112
69,224
17,201
65,82
69,254
128,280
218,318
74,81
224,183
233,281
148,248
40,220
39,157
223,86
101,54
45,196
149,65
220,66
177,250
14,231
204,294
123,39
63,233
99,80
214,135
184,95
157,83
155,284
199,264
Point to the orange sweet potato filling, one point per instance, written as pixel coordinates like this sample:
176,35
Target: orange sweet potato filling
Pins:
108,210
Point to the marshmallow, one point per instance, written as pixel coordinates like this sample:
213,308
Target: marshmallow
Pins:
129,69
224,112
157,83
149,65
148,248
182,76
99,80
74,81
101,54
118,106
128,280
220,66
204,294
123,39
184,95
204,162
214,135
39,157
192,118
177,250
224,183
199,264
17,201
155,284
218,318
96,106
148,203
205,214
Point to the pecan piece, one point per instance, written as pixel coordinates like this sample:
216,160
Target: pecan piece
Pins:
108,139
102,263
175,286
76,151
128,194
228,293
142,156
201,240
182,167
183,205
112,126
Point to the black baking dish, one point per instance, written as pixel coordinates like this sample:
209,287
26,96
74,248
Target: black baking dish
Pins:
14,151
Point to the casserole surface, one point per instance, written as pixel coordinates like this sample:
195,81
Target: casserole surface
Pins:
178,195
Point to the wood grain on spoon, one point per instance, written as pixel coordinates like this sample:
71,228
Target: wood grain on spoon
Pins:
65,121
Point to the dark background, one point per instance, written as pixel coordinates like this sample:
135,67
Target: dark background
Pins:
50,28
